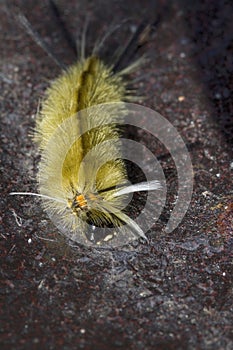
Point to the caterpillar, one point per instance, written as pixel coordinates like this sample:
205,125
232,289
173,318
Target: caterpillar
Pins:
82,178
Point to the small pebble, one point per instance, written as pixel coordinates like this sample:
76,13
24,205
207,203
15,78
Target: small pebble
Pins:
181,98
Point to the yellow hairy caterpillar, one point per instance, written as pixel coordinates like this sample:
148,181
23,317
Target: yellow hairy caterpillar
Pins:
82,178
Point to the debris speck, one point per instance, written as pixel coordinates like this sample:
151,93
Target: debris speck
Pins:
181,98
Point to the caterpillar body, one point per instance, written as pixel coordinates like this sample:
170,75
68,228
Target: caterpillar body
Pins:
82,178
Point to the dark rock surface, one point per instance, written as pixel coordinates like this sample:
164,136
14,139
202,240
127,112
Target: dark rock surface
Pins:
174,292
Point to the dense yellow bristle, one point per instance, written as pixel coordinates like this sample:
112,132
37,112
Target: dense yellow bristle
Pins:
82,177
82,85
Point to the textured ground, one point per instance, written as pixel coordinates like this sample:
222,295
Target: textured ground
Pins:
174,292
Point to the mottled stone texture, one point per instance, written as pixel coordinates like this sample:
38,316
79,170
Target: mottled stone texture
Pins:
174,292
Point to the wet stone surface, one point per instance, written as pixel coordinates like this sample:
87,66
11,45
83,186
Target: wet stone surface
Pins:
174,292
